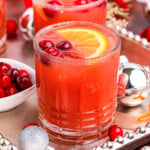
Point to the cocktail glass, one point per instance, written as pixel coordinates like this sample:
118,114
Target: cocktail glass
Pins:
76,95
55,11
2,26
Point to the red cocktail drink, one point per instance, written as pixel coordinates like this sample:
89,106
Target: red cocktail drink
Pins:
76,71
47,12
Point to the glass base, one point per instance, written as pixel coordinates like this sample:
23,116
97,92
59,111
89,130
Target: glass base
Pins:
2,45
75,136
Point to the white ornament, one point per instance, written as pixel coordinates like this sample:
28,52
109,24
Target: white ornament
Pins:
33,138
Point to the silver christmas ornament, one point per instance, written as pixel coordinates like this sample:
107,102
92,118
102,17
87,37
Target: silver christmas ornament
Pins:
108,145
98,148
141,130
5,144
33,138
119,139
134,81
129,135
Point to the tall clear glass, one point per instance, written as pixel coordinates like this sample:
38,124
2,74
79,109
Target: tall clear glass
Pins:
47,13
77,97
2,26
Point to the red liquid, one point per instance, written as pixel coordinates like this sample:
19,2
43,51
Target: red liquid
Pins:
2,25
95,13
77,97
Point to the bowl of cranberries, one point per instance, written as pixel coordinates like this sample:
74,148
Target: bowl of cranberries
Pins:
17,83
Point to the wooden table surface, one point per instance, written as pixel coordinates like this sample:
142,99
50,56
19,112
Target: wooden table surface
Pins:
11,122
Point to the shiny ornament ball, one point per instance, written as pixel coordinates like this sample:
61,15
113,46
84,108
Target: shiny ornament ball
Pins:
135,82
137,77
33,138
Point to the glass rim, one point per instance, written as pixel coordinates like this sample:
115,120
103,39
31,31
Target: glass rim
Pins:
69,7
71,23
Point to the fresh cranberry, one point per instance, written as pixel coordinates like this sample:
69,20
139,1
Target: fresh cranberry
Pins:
52,11
23,82
28,3
11,90
4,67
52,51
71,54
114,131
46,44
81,2
11,27
13,73
146,34
30,124
24,73
4,80
45,59
64,45
2,93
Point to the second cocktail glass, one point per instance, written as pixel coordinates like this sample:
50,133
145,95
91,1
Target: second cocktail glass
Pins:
47,12
76,71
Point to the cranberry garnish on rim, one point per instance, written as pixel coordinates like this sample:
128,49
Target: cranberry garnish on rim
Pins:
52,11
23,82
45,59
81,2
4,67
4,80
2,93
11,90
52,51
64,45
13,73
46,44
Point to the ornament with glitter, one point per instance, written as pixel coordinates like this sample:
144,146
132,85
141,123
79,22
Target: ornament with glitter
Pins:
33,138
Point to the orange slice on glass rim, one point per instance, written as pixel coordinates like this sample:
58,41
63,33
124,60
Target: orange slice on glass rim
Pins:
90,42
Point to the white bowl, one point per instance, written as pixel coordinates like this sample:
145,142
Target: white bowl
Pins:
12,101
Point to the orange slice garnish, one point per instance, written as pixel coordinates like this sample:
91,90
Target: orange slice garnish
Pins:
91,43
